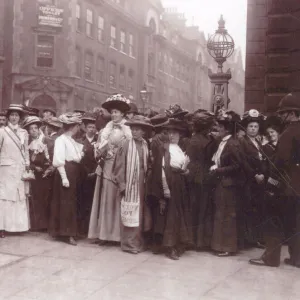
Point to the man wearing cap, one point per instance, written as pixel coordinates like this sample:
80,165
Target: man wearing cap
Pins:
287,166
48,113
89,164
3,119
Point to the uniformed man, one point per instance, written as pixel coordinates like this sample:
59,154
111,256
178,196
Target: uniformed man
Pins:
286,211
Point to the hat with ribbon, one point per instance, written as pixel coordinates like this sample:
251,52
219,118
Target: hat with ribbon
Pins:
227,116
250,116
176,124
70,118
32,120
273,122
141,121
159,120
133,109
176,112
203,120
54,122
31,111
117,101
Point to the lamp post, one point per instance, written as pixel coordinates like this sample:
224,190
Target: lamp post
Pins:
144,96
220,46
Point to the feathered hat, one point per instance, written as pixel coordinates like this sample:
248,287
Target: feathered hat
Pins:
117,101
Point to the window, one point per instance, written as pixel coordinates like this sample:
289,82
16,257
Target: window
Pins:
113,36
100,70
130,80
88,66
78,17
89,23
122,78
112,75
78,62
123,41
100,29
45,51
131,45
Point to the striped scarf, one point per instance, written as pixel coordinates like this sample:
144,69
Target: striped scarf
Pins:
130,204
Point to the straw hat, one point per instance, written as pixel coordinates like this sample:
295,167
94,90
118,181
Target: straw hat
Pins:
32,120
117,101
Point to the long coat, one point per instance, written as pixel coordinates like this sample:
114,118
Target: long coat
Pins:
200,151
229,179
14,156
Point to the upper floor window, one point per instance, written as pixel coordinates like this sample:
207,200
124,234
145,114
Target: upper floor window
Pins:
100,70
100,29
131,45
78,62
122,78
113,36
45,51
123,41
130,80
78,17
89,22
88,66
113,75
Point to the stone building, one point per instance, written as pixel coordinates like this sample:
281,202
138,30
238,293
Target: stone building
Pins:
1,48
72,54
273,52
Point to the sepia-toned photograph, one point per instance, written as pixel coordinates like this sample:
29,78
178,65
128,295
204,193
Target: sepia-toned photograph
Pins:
149,150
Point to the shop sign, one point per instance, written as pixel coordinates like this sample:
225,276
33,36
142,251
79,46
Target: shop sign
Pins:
51,16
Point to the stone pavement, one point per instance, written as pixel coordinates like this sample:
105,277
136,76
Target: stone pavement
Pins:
33,266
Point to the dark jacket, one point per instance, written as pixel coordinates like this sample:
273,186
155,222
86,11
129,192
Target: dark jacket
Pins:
287,158
88,161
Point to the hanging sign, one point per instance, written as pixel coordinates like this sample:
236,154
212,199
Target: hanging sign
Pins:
50,15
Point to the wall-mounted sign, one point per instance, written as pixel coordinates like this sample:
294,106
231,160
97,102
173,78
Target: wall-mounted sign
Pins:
49,15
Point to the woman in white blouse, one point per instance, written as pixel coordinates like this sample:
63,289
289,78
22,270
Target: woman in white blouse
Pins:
174,203
67,156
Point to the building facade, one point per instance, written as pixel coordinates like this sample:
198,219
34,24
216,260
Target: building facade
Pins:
1,48
273,52
73,54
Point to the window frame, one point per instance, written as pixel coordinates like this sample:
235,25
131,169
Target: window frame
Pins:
113,45
123,43
98,71
78,73
88,52
101,29
131,45
115,75
89,24
123,88
36,52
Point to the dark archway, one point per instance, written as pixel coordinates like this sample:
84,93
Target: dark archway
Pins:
44,101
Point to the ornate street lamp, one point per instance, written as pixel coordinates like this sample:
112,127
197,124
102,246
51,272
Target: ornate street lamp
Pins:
220,46
144,96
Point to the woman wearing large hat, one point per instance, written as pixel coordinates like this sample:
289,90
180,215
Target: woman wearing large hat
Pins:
14,161
251,145
67,157
228,178
200,150
39,163
129,171
174,200
105,215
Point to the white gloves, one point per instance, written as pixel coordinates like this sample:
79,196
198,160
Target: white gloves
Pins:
63,175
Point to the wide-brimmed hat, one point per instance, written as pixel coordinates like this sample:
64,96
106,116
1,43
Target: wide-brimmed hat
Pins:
31,111
176,124
252,115
79,111
54,122
159,120
203,119
15,107
89,117
70,118
139,120
32,120
117,101
176,112
227,116
50,110
290,102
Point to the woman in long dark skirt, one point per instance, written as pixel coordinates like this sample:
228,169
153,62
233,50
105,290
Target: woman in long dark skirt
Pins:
175,204
67,156
41,186
227,173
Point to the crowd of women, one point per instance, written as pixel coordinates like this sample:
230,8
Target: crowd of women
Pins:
169,182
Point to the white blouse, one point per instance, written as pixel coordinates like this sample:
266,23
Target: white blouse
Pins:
66,149
217,156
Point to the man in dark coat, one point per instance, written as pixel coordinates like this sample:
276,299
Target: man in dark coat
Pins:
200,150
89,164
287,205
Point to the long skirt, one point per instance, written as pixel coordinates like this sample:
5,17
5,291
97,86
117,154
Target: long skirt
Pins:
132,237
177,229
105,216
39,202
64,203
225,234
